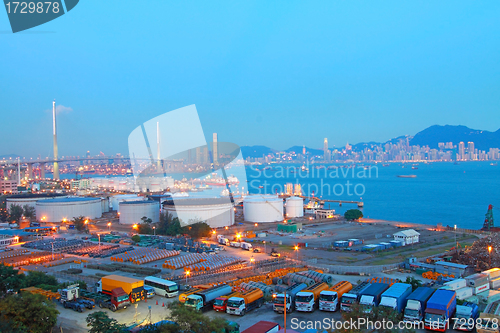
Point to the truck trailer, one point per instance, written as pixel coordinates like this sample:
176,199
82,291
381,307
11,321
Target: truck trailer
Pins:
352,296
133,287
465,317
118,299
440,308
416,304
307,300
204,300
371,296
245,302
329,300
395,297
291,293
220,303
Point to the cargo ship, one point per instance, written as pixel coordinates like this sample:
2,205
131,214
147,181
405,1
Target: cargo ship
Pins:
407,176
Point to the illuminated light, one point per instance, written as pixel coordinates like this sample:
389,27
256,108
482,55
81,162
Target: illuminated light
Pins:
86,221
188,272
135,226
296,247
256,224
227,228
109,224
489,249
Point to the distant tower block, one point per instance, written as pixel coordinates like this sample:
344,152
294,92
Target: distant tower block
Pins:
198,155
304,150
325,149
215,150
297,190
54,130
289,188
158,154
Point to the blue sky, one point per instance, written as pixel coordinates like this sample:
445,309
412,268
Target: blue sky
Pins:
275,73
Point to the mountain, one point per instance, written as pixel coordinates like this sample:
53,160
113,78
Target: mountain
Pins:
431,136
256,151
310,151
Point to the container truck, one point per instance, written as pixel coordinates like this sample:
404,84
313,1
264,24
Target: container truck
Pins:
307,300
118,299
395,297
416,304
329,300
204,300
465,317
235,244
488,318
352,296
246,246
455,284
133,287
291,293
440,308
245,302
223,241
263,327
70,299
370,297
220,303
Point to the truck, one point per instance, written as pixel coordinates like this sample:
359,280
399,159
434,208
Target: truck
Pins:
133,287
70,299
245,302
395,297
220,303
371,296
235,244
183,296
291,292
263,327
479,282
465,315
489,319
329,300
204,300
307,300
440,308
352,296
275,253
118,299
221,239
416,304
246,246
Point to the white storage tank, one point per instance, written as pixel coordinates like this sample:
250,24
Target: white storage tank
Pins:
294,207
131,212
30,199
263,208
116,199
58,210
216,212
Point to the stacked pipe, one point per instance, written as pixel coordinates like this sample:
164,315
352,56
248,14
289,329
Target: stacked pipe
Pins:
144,255
11,254
317,277
292,278
267,290
212,263
277,280
31,258
280,288
184,261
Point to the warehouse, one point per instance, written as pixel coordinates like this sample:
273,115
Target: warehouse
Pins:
216,212
66,209
131,212
263,208
408,236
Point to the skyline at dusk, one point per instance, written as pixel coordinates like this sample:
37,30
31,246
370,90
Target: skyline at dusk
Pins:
296,76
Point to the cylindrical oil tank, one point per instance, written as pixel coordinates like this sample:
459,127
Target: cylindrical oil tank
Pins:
131,212
58,210
30,199
104,205
294,207
263,208
116,199
216,212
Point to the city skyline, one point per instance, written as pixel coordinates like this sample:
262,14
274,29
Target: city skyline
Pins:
313,69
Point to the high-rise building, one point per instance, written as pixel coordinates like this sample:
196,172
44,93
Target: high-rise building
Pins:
470,150
461,151
215,150
304,150
198,155
325,150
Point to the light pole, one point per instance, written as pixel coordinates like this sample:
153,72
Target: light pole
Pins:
456,243
154,231
99,236
109,226
489,252
187,274
297,249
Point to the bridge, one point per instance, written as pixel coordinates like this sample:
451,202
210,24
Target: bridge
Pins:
322,201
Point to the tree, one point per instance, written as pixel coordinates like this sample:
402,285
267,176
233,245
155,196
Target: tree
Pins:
15,213
189,320
353,214
169,225
79,223
40,280
10,280
146,219
144,229
32,312
29,212
99,322
136,238
198,230
415,283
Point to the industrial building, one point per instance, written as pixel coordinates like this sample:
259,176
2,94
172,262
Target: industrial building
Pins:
408,236
131,212
216,212
65,209
263,208
294,207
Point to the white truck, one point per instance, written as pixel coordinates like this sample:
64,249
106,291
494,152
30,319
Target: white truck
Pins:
246,246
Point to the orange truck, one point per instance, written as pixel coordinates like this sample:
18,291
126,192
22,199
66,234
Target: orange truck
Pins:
307,300
246,301
184,295
133,287
329,300
220,304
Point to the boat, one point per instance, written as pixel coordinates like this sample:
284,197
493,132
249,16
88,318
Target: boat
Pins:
493,163
407,176
304,168
414,167
385,165
260,186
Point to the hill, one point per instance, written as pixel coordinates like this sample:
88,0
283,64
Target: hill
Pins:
431,136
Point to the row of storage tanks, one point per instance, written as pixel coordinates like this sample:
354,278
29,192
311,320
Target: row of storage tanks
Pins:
130,184
269,208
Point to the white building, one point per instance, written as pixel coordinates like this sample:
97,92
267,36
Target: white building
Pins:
408,236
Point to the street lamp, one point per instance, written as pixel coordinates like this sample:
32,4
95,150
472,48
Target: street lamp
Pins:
490,248
187,274
297,249
154,231
109,226
135,226
456,243
252,260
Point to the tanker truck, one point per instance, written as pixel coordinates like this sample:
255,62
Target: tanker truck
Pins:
184,295
246,301
329,300
291,293
220,303
204,300
308,299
